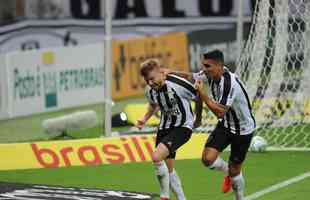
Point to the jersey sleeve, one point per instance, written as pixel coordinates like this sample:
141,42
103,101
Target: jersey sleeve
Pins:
191,92
200,76
189,89
228,92
183,87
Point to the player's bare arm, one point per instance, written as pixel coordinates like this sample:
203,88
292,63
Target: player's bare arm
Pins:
218,109
187,75
198,111
152,109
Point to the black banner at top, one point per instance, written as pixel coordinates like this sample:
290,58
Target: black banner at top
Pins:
137,9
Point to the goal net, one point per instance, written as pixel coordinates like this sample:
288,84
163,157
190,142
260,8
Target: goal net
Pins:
274,65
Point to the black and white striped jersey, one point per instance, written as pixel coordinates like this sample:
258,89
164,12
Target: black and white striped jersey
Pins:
230,91
174,100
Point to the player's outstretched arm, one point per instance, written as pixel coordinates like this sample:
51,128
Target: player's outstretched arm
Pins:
152,108
187,75
198,111
218,109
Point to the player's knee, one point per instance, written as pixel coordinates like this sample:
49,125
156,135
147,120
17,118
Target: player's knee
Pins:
207,160
170,169
156,158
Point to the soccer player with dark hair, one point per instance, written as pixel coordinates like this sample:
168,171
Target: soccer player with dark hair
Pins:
236,124
172,95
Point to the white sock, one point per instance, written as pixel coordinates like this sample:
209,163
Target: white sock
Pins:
176,186
238,186
162,174
220,164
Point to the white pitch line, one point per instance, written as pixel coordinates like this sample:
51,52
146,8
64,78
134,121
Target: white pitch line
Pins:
277,186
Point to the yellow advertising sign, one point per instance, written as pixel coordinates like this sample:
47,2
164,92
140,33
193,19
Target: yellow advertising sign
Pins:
170,49
87,152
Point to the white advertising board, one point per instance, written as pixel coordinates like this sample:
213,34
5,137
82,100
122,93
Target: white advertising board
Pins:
53,79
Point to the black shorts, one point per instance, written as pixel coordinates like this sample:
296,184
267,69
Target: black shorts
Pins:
173,138
221,137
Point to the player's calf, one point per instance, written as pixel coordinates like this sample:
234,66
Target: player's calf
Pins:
161,169
215,163
176,186
234,170
238,186
162,174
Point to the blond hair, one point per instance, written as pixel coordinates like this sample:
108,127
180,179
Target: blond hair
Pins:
148,66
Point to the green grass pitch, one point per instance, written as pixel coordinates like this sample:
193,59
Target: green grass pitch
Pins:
261,170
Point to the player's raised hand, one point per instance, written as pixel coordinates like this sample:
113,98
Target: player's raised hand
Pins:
166,71
199,86
140,124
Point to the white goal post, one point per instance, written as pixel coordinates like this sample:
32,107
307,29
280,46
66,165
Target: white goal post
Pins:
108,68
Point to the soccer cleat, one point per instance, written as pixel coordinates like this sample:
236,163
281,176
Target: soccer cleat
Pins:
226,184
163,198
